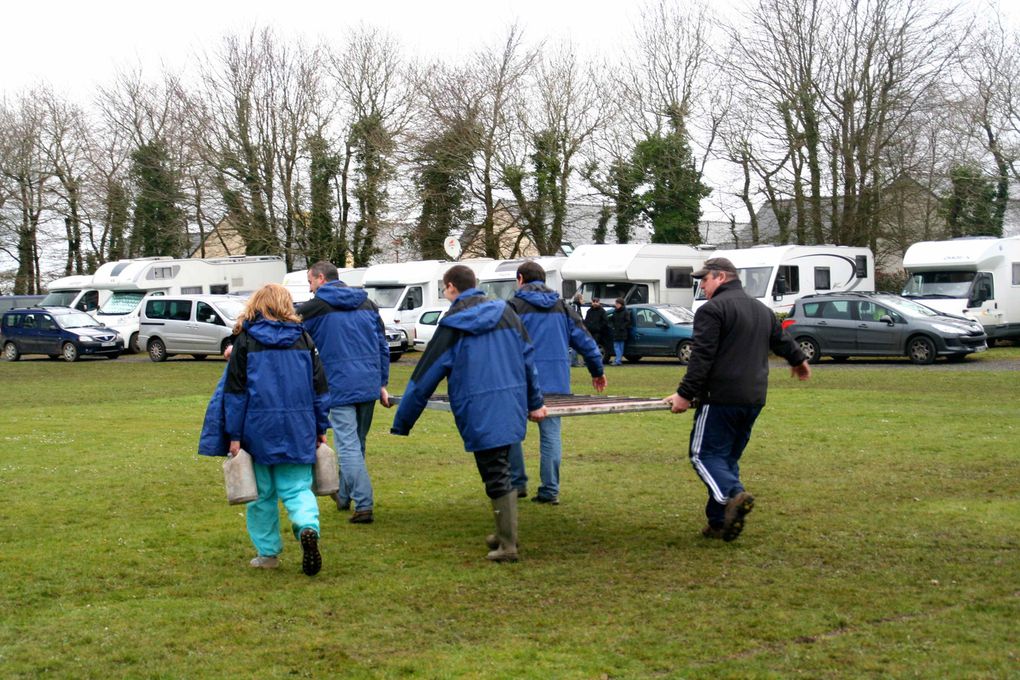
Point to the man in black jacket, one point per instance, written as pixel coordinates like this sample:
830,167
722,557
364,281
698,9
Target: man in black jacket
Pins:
728,376
597,323
620,326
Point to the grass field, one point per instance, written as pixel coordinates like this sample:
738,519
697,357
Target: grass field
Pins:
884,543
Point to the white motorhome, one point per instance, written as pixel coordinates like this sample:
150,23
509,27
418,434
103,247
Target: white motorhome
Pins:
500,282
976,277
402,289
638,273
297,282
778,275
128,281
76,292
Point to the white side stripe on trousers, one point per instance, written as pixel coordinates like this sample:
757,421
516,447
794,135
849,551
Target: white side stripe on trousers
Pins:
699,467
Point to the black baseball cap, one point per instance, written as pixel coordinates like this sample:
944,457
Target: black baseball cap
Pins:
715,264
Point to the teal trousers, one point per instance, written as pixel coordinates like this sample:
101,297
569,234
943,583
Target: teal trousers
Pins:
291,484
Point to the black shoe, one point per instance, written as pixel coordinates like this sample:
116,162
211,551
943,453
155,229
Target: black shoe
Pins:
522,492
555,500
311,561
361,517
736,509
709,531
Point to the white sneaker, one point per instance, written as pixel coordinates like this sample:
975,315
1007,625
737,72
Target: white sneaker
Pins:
263,562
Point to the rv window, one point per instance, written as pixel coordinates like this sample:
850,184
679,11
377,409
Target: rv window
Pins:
218,289
822,278
755,280
982,290
638,295
191,290
163,273
862,266
568,289
790,276
1016,273
413,300
89,301
498,290
954,284
679,277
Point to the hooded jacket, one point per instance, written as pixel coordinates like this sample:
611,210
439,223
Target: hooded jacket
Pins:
553,327
351,339
483,350
733,334
275,394
619,324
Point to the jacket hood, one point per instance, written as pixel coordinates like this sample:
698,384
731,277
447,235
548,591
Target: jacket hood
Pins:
337,295
473,313
274,333
538,294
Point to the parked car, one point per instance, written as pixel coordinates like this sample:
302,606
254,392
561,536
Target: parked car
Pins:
57,332
426,325
657,330
397,341
841,325
198,325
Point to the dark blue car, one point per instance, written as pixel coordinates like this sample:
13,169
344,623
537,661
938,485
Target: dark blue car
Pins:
658,331
59,332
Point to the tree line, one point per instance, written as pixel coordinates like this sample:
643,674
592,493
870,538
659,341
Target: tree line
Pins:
824,111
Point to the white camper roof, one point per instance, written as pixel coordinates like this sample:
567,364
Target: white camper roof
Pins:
613,261
76,282
763,256
960,253
404,273
505,270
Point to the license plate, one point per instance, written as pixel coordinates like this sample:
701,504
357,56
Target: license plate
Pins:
109,344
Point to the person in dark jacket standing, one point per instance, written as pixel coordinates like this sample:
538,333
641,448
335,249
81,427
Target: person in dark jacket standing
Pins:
274,405
553,327
351,338
597,323
728,377
620,323
483,351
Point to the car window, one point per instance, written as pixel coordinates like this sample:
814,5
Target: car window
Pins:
204,313
836,309
29,322
46,323
812,309
179,310
429,318
12,320
869,311
646,318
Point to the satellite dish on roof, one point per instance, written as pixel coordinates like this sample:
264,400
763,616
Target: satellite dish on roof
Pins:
452,247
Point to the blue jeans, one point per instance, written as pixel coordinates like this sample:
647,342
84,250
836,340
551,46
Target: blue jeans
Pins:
718,437
291,484
550,455
618,352
350,428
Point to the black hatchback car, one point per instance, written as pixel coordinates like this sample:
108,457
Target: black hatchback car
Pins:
842,325
60,332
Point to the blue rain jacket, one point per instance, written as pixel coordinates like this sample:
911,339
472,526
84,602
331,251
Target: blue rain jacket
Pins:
351,339
274,393
483,351
554,326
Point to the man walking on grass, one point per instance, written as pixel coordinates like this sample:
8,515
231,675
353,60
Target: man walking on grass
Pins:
727,377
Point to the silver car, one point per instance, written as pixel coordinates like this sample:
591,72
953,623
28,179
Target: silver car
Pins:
198,325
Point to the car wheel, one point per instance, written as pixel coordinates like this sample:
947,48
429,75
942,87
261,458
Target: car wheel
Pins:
199,357
683,351
69,352
395,356
11,352
921,350
157,350
810,349
132,345
632,358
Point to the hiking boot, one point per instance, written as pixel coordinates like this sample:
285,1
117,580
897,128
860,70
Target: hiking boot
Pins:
551,500
311,560
361,517
733,519
522,492
264,562
341,506
709,531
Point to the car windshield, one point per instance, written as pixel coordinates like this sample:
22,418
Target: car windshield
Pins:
230,308
908,307
755,280
677,314
59,298
76,320
384,296
122,303
499,290
953,284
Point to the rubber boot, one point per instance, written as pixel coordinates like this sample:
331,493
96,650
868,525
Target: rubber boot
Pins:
505,510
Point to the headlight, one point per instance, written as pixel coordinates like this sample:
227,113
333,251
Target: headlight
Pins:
949,330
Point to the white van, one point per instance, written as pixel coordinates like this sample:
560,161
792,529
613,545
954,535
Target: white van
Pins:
198,325
976,277
500,282
129,281
75,292
778,275
297,282
402,289
638,273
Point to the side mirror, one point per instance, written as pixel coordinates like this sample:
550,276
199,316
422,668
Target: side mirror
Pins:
885,318
661,324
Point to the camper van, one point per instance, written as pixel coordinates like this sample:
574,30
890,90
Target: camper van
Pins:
638,273
976,277
128,281
778,275
297,282
75,292
500,282
402,289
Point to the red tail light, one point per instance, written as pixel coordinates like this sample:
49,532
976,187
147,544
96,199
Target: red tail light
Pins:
788,322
